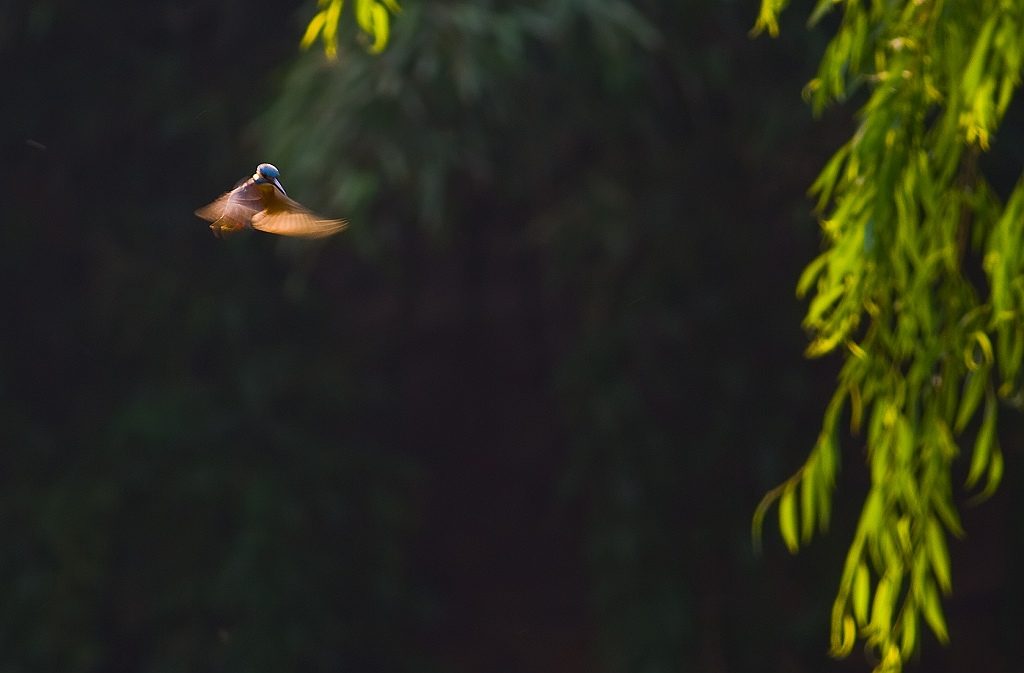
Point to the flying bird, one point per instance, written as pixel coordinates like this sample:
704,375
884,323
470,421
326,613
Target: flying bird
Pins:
261,203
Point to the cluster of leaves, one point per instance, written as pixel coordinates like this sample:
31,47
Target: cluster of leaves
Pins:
921,286
372,17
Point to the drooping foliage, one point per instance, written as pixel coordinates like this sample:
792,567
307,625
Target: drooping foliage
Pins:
920,288
372,17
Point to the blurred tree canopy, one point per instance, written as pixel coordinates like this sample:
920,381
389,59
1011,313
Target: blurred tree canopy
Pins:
579,139
921,285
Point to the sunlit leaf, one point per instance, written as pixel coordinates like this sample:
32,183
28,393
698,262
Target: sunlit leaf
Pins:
908,637
768,17
330,32
973,71
313,30
943,505
881,608
829,176
364,15
974,390
904,440
995,474
820,10
788,519
938,554
810,482
371,16
811,273
985,344
984,442
932,609
844,639
856,408
827,463
891,663
861,593
381,28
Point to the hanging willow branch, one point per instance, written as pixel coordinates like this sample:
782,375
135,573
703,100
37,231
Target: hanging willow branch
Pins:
372,16
926,352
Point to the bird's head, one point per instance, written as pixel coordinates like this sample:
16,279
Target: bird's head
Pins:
269,173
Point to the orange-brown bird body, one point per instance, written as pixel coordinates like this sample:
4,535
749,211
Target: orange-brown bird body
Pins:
261,203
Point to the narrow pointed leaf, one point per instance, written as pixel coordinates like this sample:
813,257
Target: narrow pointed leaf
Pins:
861,593
788,518
938,554
984,442
973,392
931,607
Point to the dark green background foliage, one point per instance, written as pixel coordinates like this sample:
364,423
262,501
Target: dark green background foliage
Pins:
515,419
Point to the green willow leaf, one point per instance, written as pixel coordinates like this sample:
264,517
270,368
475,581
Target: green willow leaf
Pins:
809,484
829,177
881,609
973,71
313,30
938,554
861,593
381,30
908,637
768,19
974,390
984,443
788,519
811,273
330,32
820,10
995,474
932,609
827,463
364,15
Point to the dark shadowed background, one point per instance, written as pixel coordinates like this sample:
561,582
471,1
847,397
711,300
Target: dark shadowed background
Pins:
515,419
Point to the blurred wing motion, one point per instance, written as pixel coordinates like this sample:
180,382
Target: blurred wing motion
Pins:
261,203
215,210
234,210
288,218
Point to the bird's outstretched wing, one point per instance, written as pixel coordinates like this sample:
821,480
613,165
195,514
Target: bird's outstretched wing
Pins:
288,218
233,211
215,210
239,204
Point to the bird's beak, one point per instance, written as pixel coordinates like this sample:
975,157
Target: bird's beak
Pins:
277,183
